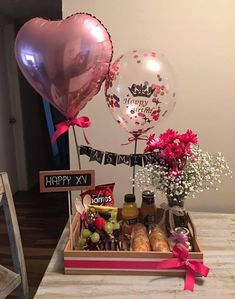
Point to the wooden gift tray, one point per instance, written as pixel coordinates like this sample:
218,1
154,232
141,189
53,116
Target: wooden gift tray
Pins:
121,262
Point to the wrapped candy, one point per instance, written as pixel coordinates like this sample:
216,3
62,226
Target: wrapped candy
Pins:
180,235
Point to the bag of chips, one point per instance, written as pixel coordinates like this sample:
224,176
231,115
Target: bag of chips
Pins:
102,195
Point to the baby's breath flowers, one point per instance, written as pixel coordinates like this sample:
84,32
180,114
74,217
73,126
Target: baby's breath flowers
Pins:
180,168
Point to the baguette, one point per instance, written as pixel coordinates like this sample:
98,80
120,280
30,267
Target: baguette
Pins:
158,240
139,239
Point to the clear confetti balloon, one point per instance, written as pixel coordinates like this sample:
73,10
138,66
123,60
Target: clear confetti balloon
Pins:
140,90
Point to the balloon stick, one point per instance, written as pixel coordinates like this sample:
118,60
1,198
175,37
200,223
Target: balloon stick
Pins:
133,175
70,220
77,147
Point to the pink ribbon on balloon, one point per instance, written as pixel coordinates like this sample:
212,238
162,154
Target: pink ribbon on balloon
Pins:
63,127
180,260
134,138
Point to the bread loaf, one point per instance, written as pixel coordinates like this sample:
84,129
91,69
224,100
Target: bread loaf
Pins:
139,239
158,240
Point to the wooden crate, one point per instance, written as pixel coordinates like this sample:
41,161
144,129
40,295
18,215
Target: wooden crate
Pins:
120,262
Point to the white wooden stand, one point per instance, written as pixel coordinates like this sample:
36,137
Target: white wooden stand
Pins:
10,280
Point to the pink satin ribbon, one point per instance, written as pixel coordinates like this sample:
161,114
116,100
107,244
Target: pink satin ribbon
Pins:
180,260
134,138
61,128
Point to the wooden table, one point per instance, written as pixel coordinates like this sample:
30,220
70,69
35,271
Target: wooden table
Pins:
216,235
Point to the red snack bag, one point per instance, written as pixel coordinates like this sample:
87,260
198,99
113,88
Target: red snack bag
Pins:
102,195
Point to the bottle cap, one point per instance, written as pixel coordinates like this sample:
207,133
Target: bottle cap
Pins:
147,194
129,198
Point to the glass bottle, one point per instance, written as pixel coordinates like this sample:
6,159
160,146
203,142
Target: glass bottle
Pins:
130,213
148,209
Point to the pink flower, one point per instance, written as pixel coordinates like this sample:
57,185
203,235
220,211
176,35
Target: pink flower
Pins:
188,136
172,151
153,143
187,149
150,139
169,136
172,146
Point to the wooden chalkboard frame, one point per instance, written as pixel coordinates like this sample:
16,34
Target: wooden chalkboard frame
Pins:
43,174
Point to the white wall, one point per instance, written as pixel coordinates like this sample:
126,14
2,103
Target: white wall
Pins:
198,38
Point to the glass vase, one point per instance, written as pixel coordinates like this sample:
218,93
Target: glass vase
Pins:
179,220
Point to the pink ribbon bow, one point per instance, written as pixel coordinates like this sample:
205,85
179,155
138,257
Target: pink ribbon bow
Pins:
134,138
61,128
180,260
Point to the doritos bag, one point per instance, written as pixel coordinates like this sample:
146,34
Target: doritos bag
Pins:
102,195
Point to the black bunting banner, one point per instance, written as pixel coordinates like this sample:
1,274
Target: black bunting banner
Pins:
96,155
110,158
136,159
104,157
123,159
148,158
85,150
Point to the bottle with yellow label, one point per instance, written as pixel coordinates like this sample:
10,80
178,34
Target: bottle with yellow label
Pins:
130,213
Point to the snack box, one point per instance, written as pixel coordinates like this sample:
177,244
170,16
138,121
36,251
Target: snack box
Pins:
121,262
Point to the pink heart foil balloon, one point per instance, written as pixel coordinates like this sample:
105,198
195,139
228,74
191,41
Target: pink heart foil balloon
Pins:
65,61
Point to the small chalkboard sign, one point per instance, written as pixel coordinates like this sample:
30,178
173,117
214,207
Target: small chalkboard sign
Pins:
66,180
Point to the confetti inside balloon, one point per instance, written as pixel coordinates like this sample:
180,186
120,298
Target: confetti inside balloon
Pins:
140,90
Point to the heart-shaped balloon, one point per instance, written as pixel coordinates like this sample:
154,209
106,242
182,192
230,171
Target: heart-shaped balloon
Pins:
65,61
